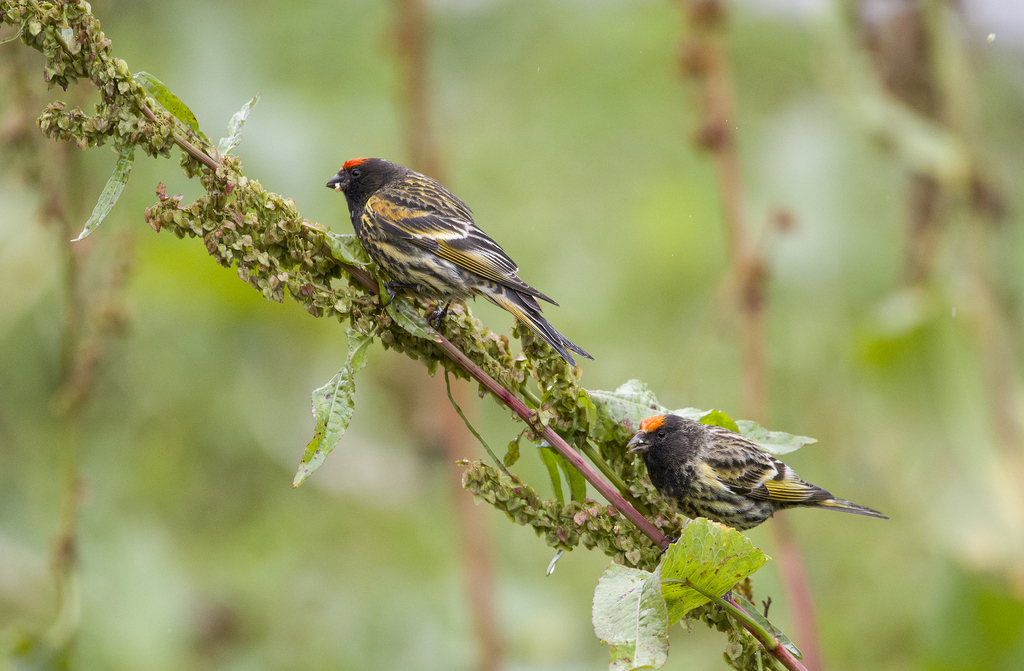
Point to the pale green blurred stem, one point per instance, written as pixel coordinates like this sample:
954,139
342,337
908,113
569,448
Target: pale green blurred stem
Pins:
469,425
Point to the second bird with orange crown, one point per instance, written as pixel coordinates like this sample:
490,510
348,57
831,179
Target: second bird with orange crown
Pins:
718,474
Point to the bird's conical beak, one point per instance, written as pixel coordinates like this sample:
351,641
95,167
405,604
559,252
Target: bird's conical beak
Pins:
339,181
638,444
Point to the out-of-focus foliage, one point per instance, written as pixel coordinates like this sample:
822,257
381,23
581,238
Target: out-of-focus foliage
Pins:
565,129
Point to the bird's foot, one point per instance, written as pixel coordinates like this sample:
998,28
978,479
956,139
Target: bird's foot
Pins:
437,316
390,287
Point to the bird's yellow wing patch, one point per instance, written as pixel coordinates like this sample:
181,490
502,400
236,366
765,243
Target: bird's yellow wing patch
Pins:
479,262
790,490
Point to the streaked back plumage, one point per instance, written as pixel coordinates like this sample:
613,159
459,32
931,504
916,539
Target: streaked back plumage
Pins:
421,235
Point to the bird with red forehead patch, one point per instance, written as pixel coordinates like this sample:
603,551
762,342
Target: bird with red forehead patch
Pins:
425,240
715,473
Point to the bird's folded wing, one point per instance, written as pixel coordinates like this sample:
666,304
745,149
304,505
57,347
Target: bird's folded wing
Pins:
445,227
743,467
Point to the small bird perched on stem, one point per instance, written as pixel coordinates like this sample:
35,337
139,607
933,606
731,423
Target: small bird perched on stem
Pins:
424,238
718,474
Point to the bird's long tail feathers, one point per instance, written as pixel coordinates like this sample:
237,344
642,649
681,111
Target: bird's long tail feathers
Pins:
847,507
527,310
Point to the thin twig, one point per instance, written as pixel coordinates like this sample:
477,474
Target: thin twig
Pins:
469,425
558,443
192,150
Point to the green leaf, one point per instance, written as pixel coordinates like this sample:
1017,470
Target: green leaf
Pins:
775,442
577,483
550,459
408,317
719,418
690,413
168,101
630,615
631,403
111,192
234,135
332,408
712,556
346,248
512,456
769,627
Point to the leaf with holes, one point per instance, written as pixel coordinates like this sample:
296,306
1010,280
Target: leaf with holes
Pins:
619,412
332,408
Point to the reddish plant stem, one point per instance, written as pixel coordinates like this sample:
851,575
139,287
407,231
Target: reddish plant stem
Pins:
557,442
504,395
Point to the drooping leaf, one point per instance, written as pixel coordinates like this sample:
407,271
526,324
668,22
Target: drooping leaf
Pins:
577,483
551,459
332,408
712,556
769,627
719,418
775,442
410,319
630,615
346,248
234,135
168,101
111,192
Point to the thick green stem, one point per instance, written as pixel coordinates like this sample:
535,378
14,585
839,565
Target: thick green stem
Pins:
770,643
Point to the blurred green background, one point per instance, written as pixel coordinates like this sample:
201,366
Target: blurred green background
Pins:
567,128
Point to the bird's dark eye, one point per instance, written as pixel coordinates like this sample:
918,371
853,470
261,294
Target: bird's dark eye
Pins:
356,172
661,434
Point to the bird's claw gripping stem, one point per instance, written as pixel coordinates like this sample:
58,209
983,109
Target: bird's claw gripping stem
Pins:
390,288
438,315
